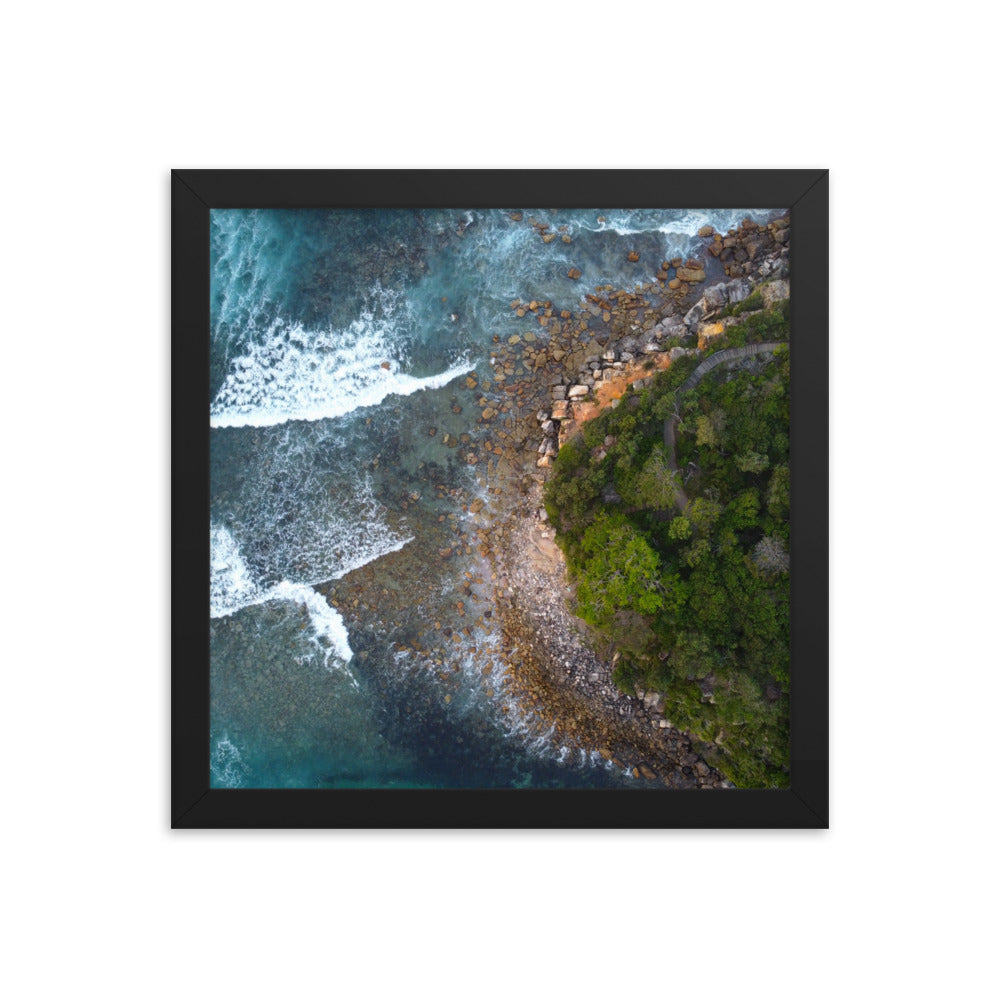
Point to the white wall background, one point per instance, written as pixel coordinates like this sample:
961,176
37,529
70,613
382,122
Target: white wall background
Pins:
98,898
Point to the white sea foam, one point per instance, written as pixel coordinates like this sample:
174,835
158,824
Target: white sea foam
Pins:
227,764
232,584
635,223
299,374
329,631
233,588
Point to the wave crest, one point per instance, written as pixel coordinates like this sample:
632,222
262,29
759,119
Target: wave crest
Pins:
295,373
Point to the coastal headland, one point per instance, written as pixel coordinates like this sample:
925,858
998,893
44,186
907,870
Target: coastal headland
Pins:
571,362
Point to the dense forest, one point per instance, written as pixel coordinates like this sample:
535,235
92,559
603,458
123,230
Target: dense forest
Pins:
681,561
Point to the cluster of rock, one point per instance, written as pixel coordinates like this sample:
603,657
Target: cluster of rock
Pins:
703,320
743,251
570,392
563,680
574,359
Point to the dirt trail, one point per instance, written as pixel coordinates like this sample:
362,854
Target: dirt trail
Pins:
670,424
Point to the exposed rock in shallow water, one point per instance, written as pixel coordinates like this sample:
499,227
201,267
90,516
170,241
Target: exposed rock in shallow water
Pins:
691,274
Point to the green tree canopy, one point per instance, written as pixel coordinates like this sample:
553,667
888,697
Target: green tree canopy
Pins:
621,572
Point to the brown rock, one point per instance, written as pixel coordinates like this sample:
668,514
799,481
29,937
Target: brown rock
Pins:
516,216
633,256
674,283
690,274
706,231
708,333
574,273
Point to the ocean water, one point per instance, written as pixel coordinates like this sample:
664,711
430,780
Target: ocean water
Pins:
345,652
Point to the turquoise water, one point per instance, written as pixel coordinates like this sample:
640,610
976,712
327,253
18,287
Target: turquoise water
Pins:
339,338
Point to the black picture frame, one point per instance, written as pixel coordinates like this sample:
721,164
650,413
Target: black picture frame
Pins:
194,804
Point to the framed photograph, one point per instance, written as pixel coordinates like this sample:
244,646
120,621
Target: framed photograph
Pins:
499,498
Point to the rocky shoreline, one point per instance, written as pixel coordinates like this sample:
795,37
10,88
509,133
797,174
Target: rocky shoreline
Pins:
567,683
585,363
513,606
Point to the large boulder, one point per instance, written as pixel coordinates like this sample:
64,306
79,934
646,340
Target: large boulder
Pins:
691,274
774,267
708,333
738,290
714,300
694,316
774,291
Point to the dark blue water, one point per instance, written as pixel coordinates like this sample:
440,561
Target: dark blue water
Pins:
339,338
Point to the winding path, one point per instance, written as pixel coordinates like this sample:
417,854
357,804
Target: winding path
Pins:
719,358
